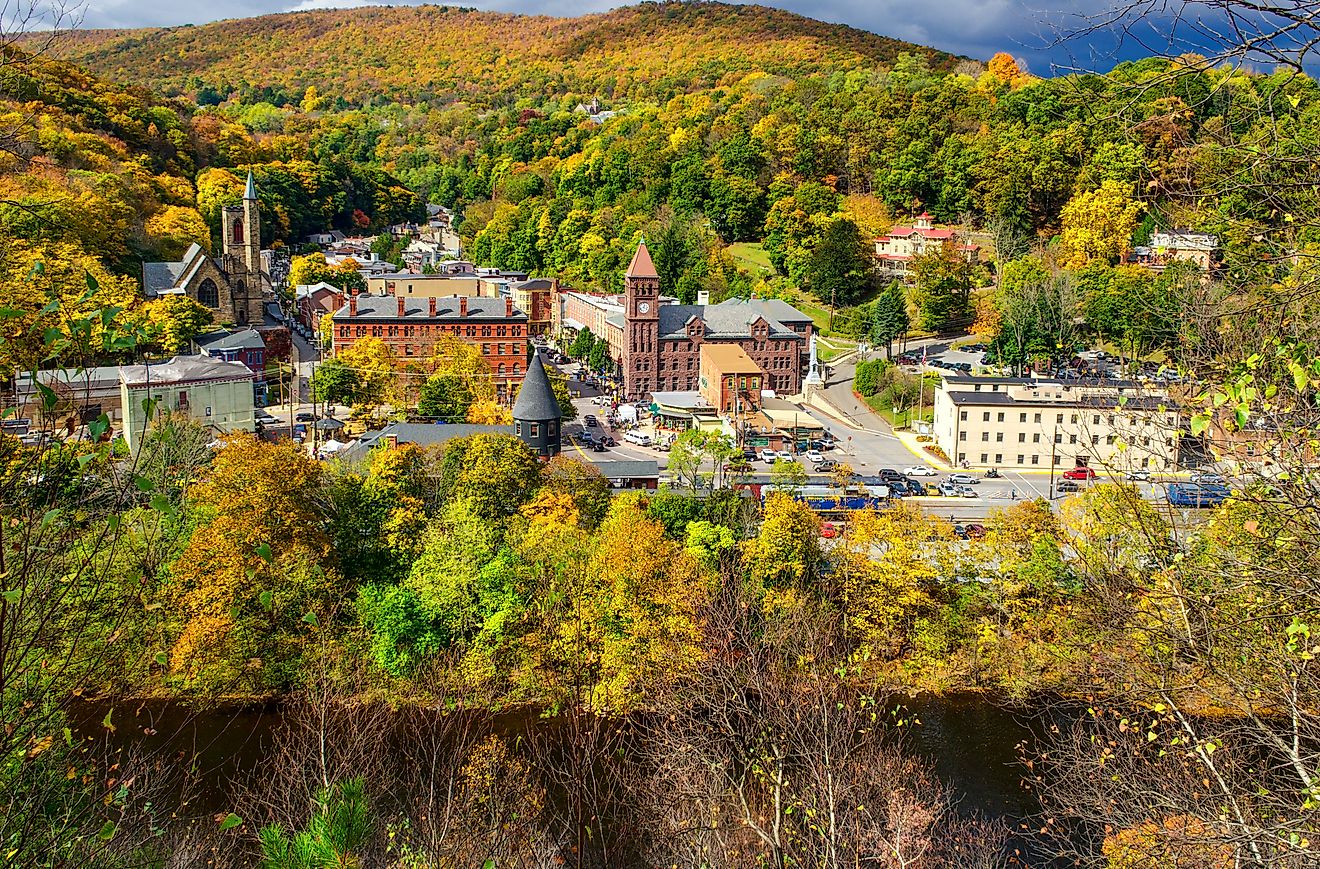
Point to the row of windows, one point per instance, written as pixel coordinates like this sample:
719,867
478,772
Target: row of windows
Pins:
1146,461
534,430
1169,418
394,331
1110,440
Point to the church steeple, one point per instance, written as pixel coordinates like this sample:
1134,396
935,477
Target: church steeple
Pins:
251,192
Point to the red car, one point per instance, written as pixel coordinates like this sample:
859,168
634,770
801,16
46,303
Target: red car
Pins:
1079,473
828,531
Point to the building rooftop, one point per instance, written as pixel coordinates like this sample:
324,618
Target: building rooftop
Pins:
732,318
728,357
628,469
536,399
641,265
420,433
223,339
183,369
447,308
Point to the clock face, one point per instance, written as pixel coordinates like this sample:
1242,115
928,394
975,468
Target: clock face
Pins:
644,307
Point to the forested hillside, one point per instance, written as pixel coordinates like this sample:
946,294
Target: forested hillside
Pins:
438,54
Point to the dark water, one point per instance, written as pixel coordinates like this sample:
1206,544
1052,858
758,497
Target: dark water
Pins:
973,743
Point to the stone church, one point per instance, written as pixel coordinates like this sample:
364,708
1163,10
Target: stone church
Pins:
232,284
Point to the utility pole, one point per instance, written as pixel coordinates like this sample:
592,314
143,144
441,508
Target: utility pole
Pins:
1053,449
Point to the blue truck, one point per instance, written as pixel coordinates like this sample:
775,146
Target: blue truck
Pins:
1197,494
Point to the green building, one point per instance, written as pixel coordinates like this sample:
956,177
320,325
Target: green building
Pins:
216,393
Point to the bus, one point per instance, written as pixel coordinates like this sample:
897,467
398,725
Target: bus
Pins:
1197,494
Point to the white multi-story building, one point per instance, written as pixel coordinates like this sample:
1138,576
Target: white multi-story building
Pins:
1022,423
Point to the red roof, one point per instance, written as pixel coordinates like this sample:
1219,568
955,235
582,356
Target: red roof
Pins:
641,265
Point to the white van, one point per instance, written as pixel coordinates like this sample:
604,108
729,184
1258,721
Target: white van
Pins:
639,438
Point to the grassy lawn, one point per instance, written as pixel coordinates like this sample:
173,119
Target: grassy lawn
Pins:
904,418
829,349
751,256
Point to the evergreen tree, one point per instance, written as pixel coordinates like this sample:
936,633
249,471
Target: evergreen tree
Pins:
840,266
889,318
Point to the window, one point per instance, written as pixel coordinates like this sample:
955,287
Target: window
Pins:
1037,418
999,437
1058,438
183,401
1074,419
962,435
1022,437
1109,439
536,429
1058,460
1035,439
984,458
550,429
517,428
985,417
1022,460
985,435
208,294
1035,460
1095,440
1022,417
1060,419
962,415
1001,417
962,457
236,232
1072,439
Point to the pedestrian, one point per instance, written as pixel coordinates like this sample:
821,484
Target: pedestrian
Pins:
1013,494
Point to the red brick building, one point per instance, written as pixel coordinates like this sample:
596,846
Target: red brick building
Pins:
410,327
662,343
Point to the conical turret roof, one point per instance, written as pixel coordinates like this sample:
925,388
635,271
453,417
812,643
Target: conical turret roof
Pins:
641,265
536,398
251,192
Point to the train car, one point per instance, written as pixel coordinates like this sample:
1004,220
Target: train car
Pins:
1196,494
826,499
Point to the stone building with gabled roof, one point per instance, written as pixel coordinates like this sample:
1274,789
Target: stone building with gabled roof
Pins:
231,285
662,343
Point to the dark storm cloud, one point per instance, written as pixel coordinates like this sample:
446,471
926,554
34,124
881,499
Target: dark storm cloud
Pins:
977,28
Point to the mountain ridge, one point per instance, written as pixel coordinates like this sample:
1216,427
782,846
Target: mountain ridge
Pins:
374,53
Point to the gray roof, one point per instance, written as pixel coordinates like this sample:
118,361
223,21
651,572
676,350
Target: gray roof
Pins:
533,284
628,468
536,398
157,277
616,320
184,369
732,318
387,308
420,433
1093,401
223,339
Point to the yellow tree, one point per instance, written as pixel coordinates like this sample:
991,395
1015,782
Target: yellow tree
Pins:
308,269
250,586
375,365
1098,224
60,304
786,552
489,412
173,321
173,228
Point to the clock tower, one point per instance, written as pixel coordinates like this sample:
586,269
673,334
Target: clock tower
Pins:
641,352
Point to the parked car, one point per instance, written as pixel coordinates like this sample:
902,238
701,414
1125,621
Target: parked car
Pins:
827,441
815,457
305,417
1081,472
963,479
1208,477
751,455
768,456
827,466
828,531
785,455
889,474
967,492
960,532
919,471
590,421
1066,486
598,446
948,490
607,440
1137,476
641,439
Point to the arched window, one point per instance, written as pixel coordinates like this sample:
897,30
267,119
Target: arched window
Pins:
208,294
237,234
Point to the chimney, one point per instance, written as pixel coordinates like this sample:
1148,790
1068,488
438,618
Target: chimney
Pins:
352,305
462,306
508,306
432,311
400,306
391,441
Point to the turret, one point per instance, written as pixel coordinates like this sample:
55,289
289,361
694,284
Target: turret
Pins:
536,413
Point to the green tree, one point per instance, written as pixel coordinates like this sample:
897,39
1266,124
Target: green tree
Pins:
496,473
840,268
889,318
333,382
582,344
338,830
445,396
942,286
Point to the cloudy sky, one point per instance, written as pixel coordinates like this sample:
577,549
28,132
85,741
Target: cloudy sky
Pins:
1026,28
